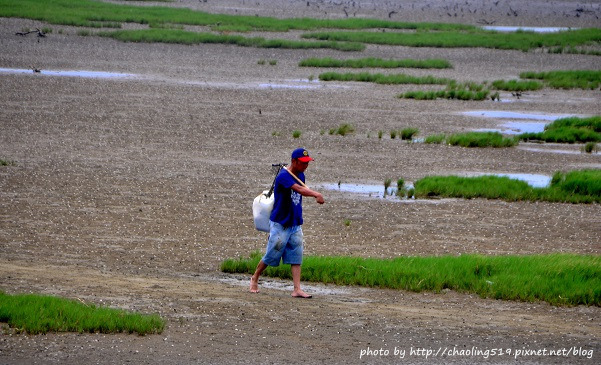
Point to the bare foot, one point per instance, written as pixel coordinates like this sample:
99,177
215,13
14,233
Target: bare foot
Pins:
254,285
301,294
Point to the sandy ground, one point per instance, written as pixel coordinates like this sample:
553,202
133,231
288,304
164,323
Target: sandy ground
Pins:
130,191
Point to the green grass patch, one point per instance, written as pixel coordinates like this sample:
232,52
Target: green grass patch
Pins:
7,162
517,85
568,130
559,279
481,139
378,78
375,63
408,133
88,13
590,147
435,139
187,37
342,129
461,38
581,186
36,314
582,79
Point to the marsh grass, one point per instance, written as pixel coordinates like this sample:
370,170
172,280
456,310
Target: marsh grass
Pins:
7,162
581,186
408,133
568,130
571,79
590,147
471,38
517,85
481,139
296,133
188,37
89,13
343,129
559,279
454,90
36,314
378,78
371,62
435,139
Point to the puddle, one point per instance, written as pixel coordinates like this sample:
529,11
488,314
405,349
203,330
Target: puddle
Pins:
71,73
534,180
509,29
515,115
563,152
293,84
373,191
286,285
517,128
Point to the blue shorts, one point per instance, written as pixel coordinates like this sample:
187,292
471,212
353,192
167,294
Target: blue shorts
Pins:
284,243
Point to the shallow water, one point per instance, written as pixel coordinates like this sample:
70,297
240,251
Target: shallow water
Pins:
500,114
534,180
517,128
70,73
374,191
377,191
509,29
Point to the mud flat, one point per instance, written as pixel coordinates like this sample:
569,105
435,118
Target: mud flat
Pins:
129,192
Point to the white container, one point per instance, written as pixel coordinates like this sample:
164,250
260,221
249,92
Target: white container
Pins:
262,207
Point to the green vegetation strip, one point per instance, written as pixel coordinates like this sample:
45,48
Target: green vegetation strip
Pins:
581,186
187,37
382,78
36,314
481,139
569,130
371,62
473,38
88,13
559,279
582,79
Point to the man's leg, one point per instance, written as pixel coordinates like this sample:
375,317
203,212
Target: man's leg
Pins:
296,275
254,280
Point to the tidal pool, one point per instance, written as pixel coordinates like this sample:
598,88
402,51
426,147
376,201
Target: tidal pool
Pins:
70,73
509,29
517,128
499,114
534,180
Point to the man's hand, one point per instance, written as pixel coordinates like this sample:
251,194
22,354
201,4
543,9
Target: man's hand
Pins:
319,198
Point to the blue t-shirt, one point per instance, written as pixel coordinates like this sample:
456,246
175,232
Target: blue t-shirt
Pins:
287,205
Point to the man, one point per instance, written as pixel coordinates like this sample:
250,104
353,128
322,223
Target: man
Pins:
286,236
